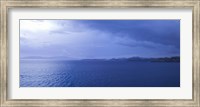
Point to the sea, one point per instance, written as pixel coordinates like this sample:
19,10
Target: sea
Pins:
98,73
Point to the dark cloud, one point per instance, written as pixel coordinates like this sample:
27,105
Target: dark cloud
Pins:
148,33
166,32
102,38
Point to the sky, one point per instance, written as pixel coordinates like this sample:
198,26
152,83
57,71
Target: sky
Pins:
97,39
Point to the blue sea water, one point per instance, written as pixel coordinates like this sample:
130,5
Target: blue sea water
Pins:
61,73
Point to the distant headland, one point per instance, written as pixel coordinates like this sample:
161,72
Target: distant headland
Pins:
160,59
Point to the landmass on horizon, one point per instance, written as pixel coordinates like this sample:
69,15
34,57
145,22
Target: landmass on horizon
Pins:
160,59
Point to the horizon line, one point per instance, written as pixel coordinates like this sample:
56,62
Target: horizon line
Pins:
64,58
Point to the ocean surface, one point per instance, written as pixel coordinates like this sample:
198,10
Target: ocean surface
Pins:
62,73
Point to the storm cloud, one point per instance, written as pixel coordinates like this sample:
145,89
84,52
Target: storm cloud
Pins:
80,39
